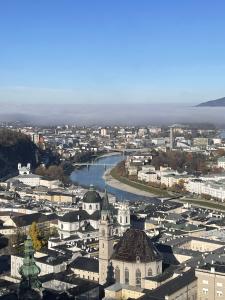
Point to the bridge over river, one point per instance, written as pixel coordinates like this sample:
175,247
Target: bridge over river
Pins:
93,163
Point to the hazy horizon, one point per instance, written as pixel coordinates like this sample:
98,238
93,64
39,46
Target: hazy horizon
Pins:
111,114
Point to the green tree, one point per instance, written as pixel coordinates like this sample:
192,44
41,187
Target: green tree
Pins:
35,236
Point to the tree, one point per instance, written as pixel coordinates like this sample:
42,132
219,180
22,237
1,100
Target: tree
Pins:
220,152
178,187
163,186
40,171
35,236
181,161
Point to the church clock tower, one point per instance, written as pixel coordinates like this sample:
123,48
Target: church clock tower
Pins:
105,240
30,285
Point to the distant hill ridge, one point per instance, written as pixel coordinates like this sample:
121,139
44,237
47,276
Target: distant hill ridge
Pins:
213,103
15,147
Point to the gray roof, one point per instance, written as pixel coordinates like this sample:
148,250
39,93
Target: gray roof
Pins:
92,196
86,263
26,220
134,245
171,286
74,216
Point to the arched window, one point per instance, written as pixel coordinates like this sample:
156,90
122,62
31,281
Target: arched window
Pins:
90,207
96,206
84,206
117,274
126,219
149,272
158,270
61,226
126,276
138,278
120,219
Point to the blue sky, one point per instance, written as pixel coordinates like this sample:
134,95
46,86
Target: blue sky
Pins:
111,51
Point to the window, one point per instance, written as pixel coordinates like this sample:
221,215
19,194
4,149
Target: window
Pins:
219,293
61,226
138,278
126,276
149,272
126,219
96,206
120,219
84,206
117,274
205,291
158,270
90,207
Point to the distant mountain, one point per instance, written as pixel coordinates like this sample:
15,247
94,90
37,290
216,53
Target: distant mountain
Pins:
213,103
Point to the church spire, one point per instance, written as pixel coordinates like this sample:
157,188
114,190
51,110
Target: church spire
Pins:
29,271
105,213
105,203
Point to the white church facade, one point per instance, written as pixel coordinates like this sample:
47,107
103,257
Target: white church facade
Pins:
88,217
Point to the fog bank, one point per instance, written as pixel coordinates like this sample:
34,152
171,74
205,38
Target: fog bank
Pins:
124,113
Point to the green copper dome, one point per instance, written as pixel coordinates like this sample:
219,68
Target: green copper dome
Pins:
29,271
92,196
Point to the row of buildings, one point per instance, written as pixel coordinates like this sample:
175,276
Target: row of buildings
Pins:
108,257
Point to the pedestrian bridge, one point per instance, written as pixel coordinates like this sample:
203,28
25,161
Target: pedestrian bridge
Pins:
93,164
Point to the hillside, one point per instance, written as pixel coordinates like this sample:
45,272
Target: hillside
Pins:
213,103
16,147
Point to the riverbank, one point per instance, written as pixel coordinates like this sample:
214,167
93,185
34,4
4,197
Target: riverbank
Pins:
108,155
94,174
115,183
203,203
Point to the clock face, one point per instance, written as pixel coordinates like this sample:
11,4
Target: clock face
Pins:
103,232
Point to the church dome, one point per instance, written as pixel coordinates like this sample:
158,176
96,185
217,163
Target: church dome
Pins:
135,246
92,196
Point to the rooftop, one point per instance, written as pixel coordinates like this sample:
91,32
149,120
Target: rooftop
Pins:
135,245
86,263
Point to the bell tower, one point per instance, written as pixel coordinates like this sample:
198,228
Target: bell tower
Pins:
30,285
105,240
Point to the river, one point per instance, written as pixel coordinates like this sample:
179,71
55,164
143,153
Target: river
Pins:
94,175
